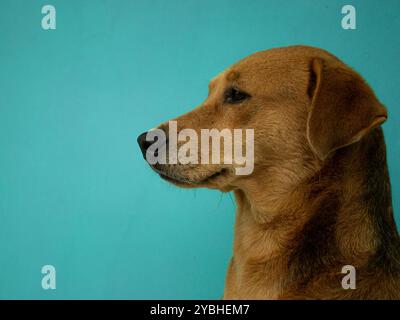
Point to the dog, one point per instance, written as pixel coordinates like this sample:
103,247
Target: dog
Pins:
319,197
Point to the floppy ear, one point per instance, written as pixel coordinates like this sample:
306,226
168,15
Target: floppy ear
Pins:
343,109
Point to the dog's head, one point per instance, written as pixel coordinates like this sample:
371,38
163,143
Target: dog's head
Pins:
301,104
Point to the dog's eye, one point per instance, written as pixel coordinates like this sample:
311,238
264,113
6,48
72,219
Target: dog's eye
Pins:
233,95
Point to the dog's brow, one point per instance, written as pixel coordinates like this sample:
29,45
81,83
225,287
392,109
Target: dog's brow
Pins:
211,85
232,75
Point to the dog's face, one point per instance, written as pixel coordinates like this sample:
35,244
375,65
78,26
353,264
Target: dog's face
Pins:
299,101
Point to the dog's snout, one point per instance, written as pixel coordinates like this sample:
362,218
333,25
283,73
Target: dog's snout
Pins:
143,143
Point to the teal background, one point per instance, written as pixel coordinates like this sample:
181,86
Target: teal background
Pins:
74,190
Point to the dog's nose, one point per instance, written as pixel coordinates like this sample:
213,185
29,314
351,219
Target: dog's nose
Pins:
143,143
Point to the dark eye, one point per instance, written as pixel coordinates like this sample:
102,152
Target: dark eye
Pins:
234,95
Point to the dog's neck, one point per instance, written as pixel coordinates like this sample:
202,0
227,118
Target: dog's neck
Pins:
340,215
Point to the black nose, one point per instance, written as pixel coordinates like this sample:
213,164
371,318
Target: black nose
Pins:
143,144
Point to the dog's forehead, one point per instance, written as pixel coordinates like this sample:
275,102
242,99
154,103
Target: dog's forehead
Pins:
293,57
279,62
267,62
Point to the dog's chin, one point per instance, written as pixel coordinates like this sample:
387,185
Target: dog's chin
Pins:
177,182
210,181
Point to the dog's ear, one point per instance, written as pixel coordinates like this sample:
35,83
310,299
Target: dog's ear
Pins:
343,107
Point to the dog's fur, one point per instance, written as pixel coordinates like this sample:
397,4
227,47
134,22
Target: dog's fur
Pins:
319,197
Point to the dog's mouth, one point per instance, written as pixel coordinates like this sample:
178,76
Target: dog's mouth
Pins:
187,182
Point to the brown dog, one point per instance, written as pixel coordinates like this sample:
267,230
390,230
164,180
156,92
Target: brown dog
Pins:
319,197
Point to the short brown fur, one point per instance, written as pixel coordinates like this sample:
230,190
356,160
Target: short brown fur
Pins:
319,197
